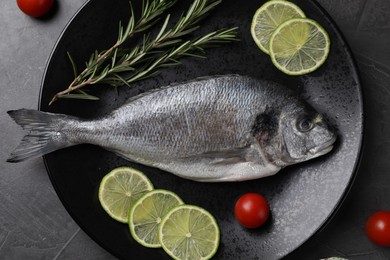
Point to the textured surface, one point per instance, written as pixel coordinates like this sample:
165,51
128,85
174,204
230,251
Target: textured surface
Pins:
35,225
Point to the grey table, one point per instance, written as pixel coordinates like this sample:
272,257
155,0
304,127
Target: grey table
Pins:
35,225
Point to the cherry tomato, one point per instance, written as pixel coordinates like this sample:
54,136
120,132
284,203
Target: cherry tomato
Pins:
35,8
378,228
251,210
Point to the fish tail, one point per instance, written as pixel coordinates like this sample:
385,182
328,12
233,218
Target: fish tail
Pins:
44,134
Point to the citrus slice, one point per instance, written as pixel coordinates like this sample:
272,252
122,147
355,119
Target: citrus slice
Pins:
119,189
146,215
268,17
299,46
189,232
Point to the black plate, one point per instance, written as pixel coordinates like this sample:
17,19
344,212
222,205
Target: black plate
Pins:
302,197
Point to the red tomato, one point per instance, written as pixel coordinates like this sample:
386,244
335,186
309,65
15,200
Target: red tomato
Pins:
35,8
251,210
378,228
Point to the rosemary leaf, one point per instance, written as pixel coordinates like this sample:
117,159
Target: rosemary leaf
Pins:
131,24
74,67
163,27
114,58
79,96
121,80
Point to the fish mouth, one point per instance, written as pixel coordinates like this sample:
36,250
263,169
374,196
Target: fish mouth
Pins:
323,149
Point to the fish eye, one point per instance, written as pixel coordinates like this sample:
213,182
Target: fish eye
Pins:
305,125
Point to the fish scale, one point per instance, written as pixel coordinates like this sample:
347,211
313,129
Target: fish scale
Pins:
221,128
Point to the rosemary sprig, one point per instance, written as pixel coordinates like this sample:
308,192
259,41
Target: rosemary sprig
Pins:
145,60
150,13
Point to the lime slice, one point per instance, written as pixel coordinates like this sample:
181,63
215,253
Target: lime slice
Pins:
146,214
189,232
119,189
299,46
268,17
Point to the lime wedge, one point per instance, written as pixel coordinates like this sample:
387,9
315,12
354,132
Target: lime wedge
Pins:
189,232
147,213
268,17
299,46
119,189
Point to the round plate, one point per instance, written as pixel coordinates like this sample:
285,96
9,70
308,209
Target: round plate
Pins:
302,197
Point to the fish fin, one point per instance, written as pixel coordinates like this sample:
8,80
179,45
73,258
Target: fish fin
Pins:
232,156
123,155
43,136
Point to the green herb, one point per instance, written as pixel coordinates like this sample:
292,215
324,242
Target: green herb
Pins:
117,66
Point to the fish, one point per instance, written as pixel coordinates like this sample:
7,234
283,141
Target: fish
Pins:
221,128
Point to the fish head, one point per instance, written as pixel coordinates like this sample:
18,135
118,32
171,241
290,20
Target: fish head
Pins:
305,134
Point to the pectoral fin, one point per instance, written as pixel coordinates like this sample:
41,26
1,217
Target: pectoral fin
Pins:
226,157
